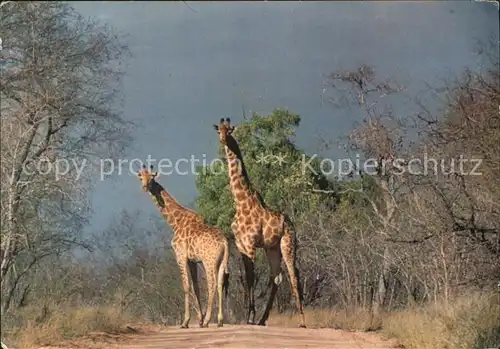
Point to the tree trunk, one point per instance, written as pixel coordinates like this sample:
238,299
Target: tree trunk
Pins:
381,294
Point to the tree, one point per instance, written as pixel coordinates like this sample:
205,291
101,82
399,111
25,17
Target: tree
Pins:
464,194
378,138
426,229
60,85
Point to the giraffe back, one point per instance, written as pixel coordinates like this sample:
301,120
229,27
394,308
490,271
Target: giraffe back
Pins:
199,240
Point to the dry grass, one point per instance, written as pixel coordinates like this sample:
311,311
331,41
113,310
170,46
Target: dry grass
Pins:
350,320
467,322
65,323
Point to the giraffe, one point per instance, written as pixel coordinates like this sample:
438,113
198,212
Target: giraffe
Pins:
255,226
193,242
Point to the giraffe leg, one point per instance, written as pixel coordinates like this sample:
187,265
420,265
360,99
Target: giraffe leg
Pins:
250,277
211,277
220,289
196,289
275,278
288,250
183,266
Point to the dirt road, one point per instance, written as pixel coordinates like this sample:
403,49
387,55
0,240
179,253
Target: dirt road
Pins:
255,337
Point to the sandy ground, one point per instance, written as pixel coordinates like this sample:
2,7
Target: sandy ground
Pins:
239,337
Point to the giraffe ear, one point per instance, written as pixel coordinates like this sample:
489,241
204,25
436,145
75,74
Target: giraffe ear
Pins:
216,128
156,175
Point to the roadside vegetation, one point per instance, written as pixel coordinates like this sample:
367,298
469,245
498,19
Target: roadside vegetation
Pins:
415,255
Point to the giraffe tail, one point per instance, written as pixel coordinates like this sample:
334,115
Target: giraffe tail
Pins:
225,265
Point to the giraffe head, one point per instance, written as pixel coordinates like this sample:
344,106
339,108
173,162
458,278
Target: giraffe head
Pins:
224,129
147,177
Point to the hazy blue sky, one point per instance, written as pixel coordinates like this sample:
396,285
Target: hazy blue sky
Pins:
191,67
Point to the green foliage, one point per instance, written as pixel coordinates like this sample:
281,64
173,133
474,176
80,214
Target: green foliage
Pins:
287,186
215,202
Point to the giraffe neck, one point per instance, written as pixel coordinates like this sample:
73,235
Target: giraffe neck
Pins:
171,210
238,178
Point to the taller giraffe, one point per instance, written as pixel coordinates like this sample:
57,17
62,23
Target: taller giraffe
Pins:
193,241
254,226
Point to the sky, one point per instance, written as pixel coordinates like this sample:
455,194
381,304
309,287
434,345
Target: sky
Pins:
197,62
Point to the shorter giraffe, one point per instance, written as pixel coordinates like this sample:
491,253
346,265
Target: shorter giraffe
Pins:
255,226
193,242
